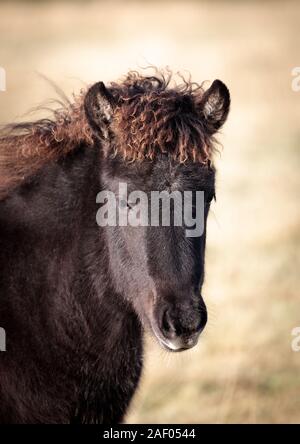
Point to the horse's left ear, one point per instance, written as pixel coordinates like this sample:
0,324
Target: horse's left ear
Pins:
214,106
99,108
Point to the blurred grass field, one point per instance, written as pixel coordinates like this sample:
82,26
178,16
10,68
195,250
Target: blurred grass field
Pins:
244,369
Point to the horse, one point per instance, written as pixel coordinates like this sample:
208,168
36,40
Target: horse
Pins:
76,297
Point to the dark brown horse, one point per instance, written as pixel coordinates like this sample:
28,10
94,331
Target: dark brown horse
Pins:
75,297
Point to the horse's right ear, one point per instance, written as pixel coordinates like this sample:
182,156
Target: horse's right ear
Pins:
99,107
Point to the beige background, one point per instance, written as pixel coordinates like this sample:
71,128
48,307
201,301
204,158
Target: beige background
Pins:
244,369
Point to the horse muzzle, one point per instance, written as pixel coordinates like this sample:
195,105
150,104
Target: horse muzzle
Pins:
177,326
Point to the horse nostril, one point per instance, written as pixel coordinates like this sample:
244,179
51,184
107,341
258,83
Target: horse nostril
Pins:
168,327
183,322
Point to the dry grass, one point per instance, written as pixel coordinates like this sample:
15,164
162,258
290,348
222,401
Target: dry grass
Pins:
244,369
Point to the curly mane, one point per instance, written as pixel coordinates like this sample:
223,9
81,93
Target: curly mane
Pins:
26,147
150,116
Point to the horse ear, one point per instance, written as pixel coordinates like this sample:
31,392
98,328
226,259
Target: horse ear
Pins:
99,107
214,106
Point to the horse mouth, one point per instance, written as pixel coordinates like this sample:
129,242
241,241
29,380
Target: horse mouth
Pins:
174,346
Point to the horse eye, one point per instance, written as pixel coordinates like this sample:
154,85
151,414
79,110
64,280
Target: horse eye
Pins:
124,203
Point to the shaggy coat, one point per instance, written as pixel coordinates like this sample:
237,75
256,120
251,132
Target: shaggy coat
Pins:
75,297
